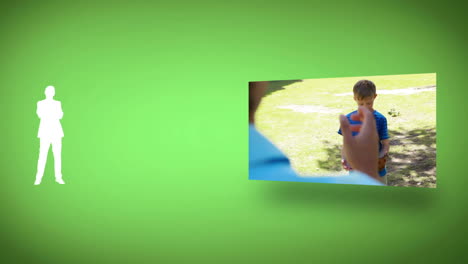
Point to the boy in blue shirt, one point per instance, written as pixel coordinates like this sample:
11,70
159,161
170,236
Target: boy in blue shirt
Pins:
364,95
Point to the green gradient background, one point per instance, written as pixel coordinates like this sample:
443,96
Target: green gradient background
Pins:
155,119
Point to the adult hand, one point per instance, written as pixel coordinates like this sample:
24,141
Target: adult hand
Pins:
361,151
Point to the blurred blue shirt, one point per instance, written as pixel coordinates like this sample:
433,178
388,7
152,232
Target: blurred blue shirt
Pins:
267,162
380,122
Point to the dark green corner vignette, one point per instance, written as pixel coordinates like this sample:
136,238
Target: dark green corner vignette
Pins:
155,152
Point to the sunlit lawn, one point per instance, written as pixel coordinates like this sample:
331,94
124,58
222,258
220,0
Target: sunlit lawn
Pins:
301,118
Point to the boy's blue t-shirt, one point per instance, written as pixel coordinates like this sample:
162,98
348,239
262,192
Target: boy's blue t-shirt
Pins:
380,121
382,130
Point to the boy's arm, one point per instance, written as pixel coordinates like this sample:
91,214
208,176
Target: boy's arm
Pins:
383,133
385,147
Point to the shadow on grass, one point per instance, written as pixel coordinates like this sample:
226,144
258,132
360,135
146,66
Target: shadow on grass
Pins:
274,86
414,165
333,163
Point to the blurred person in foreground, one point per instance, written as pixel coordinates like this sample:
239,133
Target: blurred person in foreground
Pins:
267,162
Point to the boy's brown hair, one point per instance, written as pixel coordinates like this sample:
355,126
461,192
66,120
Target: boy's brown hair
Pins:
363,89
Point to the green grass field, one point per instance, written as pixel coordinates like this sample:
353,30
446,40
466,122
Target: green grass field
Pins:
301,118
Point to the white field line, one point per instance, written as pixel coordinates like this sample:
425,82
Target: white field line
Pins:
310,109
406,91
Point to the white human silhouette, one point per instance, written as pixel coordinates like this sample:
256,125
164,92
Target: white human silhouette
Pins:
50,132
